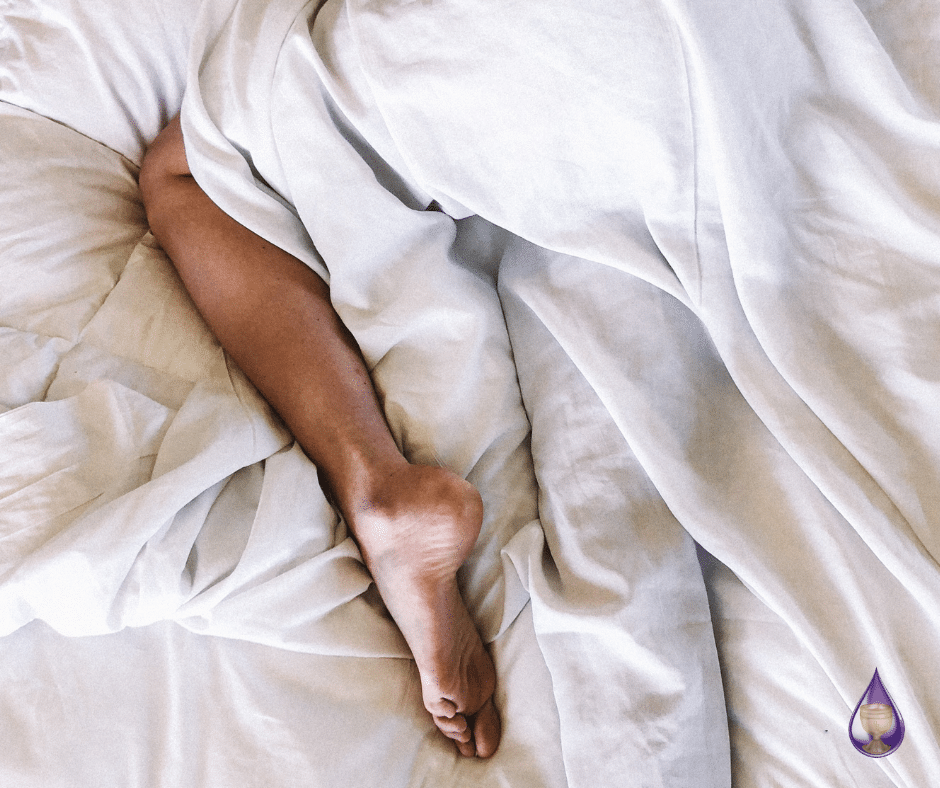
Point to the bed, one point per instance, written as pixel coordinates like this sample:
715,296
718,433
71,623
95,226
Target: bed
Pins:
689,571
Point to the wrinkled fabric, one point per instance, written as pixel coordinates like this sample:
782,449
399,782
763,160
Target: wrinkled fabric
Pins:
302,148
766,171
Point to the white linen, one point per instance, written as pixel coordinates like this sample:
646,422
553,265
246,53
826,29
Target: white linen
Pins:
112,70
782,677
619,594
787,722
138,385
282,133
813,271
163,707
765,169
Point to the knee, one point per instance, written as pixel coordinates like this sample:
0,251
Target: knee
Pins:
164,162
163,173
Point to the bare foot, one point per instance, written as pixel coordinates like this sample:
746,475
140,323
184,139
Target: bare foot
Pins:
414,535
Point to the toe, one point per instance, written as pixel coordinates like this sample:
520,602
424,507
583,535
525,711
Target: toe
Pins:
456,724
466,749
440,708
464,737
486,730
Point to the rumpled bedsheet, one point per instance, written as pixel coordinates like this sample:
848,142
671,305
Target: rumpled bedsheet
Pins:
765,175
284,133
143,477
145,480
766,171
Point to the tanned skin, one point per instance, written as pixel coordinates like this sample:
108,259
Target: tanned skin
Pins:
414,524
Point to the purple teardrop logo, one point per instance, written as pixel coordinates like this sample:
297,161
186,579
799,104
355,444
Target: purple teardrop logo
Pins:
876,728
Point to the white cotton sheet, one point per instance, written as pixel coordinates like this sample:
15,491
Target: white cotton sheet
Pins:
788,722
159,706
763,171
88,547
93,372
814,275
112,70
282,133
617,599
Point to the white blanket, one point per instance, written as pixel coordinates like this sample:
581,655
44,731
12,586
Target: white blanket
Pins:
98,348
767,171
130,491
278,132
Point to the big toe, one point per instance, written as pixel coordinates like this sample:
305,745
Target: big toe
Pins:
486,730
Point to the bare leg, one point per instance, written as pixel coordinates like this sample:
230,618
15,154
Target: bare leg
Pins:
415,525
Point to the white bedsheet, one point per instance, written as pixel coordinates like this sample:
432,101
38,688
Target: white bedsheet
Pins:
765,171
784,170
97,540
112,70
282,133
101,351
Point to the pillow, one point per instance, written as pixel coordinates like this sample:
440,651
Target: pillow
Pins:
70,216
113,70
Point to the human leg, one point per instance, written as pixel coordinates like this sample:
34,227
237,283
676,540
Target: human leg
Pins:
415,525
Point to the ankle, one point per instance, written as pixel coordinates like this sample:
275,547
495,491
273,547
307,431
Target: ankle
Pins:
419,516
359,486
